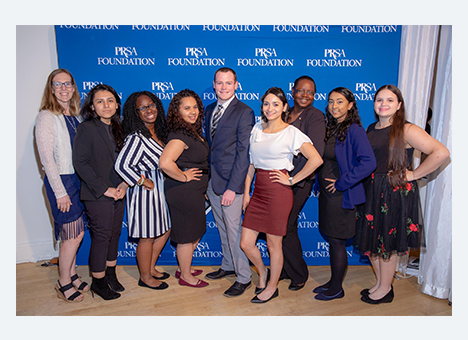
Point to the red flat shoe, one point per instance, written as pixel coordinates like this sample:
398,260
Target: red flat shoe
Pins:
196,272
199,284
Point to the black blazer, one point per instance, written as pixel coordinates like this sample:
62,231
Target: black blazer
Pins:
312,123
93,158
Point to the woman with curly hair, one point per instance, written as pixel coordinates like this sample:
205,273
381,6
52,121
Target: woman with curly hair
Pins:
348,159
144,123
97,144
56,126
388,224
185,161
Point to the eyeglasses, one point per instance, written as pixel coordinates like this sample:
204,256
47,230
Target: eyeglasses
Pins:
302,92
143,109
58,85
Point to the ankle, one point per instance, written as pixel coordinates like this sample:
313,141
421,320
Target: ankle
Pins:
110,271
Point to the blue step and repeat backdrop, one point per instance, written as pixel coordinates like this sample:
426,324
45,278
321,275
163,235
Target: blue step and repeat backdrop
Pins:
165,59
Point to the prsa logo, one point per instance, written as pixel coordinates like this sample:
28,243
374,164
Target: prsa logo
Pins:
263,248
334,57
164,90
196,56
365,91
128,251
240,94
87,86
265,56
304,223
125,56
318,96
321,252
203,251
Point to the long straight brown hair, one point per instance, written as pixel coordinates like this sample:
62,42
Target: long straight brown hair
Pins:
397,158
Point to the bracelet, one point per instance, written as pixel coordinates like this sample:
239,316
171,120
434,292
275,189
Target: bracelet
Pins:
290,181
143,181
185,177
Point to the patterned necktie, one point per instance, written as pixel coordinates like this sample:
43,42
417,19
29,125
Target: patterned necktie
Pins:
216,118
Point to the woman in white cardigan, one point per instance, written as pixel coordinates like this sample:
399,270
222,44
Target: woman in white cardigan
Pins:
55,131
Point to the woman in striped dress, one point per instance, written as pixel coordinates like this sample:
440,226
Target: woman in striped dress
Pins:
148,220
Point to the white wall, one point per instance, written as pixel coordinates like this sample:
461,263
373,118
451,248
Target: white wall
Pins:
36,57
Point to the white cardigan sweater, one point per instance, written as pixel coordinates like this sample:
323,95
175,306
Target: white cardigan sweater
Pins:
53,144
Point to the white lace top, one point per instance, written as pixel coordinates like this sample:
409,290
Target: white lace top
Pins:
53,144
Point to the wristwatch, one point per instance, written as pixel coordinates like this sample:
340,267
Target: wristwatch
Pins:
290,181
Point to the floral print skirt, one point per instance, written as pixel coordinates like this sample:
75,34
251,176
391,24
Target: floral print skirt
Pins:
389,222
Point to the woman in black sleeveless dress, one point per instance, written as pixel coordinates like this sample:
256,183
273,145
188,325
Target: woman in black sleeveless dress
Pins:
185,161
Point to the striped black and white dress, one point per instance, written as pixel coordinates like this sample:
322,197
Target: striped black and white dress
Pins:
147,212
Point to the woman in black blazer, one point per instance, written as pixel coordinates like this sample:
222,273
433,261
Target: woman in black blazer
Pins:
97,143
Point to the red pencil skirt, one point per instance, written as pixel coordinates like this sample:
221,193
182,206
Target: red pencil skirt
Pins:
269,207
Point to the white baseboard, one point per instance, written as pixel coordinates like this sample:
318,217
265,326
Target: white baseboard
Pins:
33,252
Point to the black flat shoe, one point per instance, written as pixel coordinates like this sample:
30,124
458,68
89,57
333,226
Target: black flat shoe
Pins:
257,300
323,297
320,289
365,292
163,277
296,286
386,299
162,286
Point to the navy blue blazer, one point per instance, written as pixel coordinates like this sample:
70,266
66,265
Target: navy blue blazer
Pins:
356,161
229,150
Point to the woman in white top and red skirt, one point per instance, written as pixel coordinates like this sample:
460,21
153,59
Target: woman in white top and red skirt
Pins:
273,144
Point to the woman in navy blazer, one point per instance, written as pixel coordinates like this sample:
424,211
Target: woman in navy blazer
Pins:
97,143
347,159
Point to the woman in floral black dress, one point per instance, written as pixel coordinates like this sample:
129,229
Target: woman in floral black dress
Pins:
388,223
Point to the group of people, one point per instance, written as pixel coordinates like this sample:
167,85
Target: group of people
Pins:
163,168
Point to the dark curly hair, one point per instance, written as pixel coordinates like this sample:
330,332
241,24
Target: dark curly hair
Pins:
176,123
351,118
88,113
132,121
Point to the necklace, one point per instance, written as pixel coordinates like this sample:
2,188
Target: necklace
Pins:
71,121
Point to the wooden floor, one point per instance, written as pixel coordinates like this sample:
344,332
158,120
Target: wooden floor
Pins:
184,301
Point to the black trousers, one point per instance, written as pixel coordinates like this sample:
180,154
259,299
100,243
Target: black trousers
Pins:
295,267
105,221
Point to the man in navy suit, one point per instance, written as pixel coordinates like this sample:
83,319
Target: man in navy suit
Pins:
228,123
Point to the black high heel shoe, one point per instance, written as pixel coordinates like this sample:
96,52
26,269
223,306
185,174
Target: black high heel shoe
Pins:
101,288
386,299
258,290
114,284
